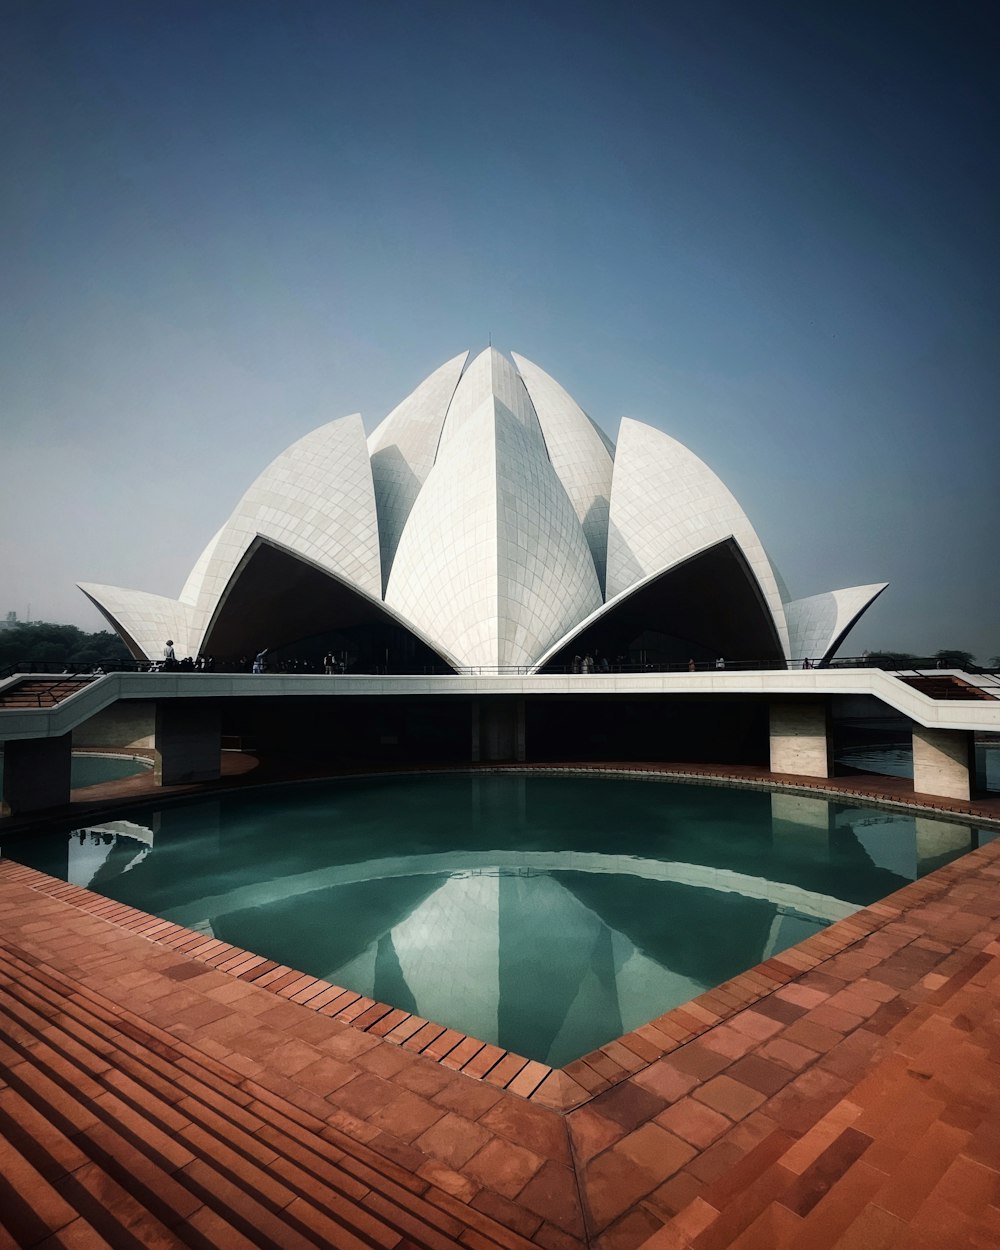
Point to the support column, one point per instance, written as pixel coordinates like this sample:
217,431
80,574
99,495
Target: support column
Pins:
499,734
36,774
476,750
188,742
943,762
800,739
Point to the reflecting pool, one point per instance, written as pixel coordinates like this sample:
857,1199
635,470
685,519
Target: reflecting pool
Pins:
546,915
89,770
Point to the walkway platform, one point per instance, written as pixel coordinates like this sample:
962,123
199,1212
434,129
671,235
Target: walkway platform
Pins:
161,1089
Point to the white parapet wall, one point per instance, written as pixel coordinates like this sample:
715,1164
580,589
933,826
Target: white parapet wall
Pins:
800,742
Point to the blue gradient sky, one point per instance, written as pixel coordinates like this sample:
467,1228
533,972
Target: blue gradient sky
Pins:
769,229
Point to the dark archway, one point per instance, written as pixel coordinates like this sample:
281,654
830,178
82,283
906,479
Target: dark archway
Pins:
709,606
280,602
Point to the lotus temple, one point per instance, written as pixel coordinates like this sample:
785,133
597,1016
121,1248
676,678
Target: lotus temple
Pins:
382,929
487,524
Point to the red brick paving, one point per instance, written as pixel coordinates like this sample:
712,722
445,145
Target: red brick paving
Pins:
158,1088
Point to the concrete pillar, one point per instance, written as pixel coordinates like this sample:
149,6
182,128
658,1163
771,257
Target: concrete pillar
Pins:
500,733
476,750
800,739
943,762
188,742
36,774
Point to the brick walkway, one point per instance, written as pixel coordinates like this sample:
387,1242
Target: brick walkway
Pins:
152,1092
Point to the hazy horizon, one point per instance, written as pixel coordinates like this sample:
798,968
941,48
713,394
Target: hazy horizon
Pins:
769,232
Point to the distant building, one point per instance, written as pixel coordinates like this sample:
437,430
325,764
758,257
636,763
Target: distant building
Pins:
487,521
9,621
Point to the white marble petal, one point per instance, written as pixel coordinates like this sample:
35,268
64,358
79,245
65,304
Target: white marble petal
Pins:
490,376
192,587
817,625
402,450
493,565
579,455
667,504
145,621
316,499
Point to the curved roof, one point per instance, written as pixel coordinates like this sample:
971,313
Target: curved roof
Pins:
492,564
579,453
493,519
666,505
817,625
145,621
316,499
402,450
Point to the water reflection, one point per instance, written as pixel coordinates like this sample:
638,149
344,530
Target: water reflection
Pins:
541,914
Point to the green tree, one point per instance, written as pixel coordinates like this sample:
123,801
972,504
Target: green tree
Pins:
46,645
951,658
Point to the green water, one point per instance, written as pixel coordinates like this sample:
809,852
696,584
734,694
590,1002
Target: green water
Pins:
89,770
546,915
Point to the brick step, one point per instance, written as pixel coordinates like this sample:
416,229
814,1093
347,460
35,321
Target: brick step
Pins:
186,1168
41,693
220,1163
253,1137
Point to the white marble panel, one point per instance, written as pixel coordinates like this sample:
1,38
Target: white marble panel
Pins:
493,564
666,504
316,499
148,620
817,624
402,450
582,457
489,376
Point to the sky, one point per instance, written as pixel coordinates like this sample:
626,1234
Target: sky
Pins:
770,230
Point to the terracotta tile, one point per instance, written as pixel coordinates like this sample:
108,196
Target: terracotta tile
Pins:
814,1036
694,1122
655,1150
537,1129
485,1059
666,1081
591,1133
453,1140
552,1193
385,1061
755,1025
920,1170
504,1072
627,1104
787,1053
325,1075
508,1213
363,1095
406,1116
873,1229
529,1079
824,1172
779,1009
732,1098
726,1040
470,1099
700,1060
760,1074
631,1230
668,1199
503,1167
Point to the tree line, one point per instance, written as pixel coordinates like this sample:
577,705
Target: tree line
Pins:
46,646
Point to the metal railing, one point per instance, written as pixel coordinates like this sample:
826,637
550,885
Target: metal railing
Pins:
598,667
